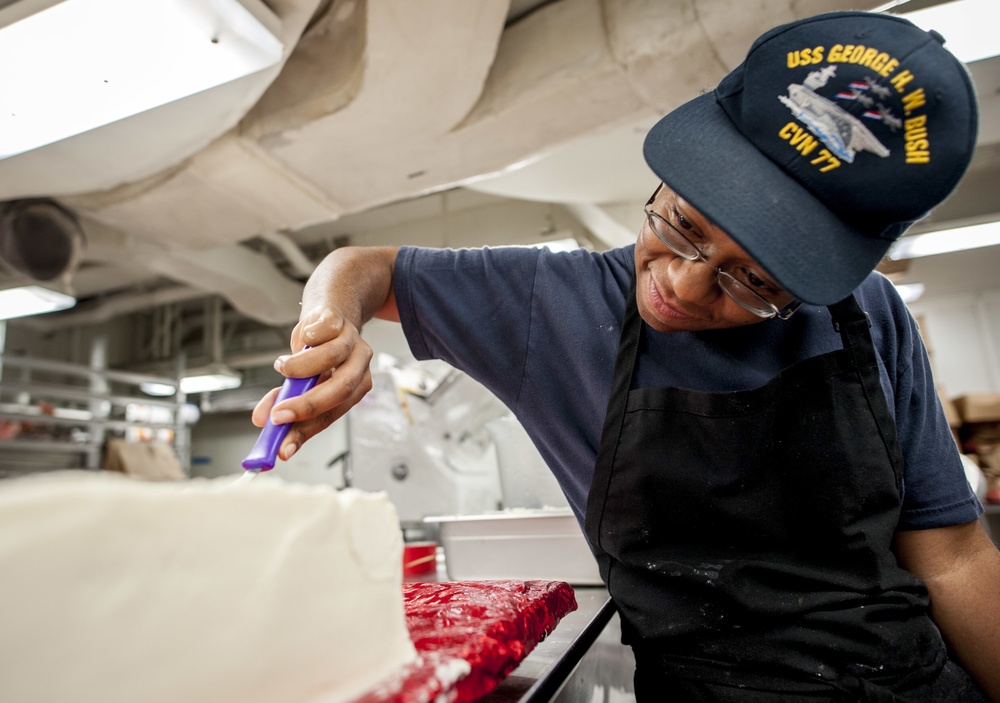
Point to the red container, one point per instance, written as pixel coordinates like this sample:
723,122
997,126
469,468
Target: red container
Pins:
419,558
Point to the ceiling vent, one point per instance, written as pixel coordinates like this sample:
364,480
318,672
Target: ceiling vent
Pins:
39,239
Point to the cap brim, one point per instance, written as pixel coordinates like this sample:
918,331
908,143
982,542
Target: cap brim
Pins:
812,253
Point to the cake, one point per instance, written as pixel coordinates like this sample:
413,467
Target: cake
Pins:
117,590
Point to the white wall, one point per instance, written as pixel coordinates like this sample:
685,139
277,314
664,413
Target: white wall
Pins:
960,315
962,333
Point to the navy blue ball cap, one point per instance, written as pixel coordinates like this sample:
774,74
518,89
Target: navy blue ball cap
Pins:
815,154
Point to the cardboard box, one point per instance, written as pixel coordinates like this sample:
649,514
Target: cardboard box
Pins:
151,460
979,407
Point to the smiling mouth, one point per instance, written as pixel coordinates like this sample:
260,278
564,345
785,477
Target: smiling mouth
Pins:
662,307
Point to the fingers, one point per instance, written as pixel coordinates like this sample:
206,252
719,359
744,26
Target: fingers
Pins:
331,339
326,357
303,431
321,357
348,360
319,325
263,408
341,359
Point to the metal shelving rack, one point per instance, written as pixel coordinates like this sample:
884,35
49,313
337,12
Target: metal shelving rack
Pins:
84,407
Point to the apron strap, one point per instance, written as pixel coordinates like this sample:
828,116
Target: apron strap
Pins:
854,326
628,351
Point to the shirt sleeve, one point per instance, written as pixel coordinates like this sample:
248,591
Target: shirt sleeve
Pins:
936,492
470,308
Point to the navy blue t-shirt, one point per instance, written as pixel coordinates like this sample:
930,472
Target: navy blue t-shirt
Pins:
540,330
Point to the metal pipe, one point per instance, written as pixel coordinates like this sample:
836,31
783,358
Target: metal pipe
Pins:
300,263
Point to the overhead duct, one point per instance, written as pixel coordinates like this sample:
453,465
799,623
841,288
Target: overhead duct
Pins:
39,240
248,280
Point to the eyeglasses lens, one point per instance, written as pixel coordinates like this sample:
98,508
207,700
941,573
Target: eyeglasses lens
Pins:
675,241
680,245
745,297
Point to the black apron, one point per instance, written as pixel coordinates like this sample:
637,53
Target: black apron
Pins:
746,536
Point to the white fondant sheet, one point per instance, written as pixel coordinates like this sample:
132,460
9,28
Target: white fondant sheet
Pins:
116,590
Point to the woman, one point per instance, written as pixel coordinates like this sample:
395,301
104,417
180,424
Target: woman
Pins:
740,413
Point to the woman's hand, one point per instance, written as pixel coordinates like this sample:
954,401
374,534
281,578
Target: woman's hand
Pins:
349,287
328,345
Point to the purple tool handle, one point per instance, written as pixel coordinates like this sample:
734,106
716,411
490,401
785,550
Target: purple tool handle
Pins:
265,450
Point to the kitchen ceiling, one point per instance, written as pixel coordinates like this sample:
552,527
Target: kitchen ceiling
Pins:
235,191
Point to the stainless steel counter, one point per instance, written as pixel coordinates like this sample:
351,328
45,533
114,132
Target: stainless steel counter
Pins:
582,660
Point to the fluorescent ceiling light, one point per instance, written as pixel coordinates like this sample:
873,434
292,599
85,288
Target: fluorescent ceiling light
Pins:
207,379
157,389
206,383
69,66
968,26
32,300
213,378
946,241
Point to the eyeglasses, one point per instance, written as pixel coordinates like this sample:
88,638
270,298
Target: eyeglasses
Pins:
743,295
